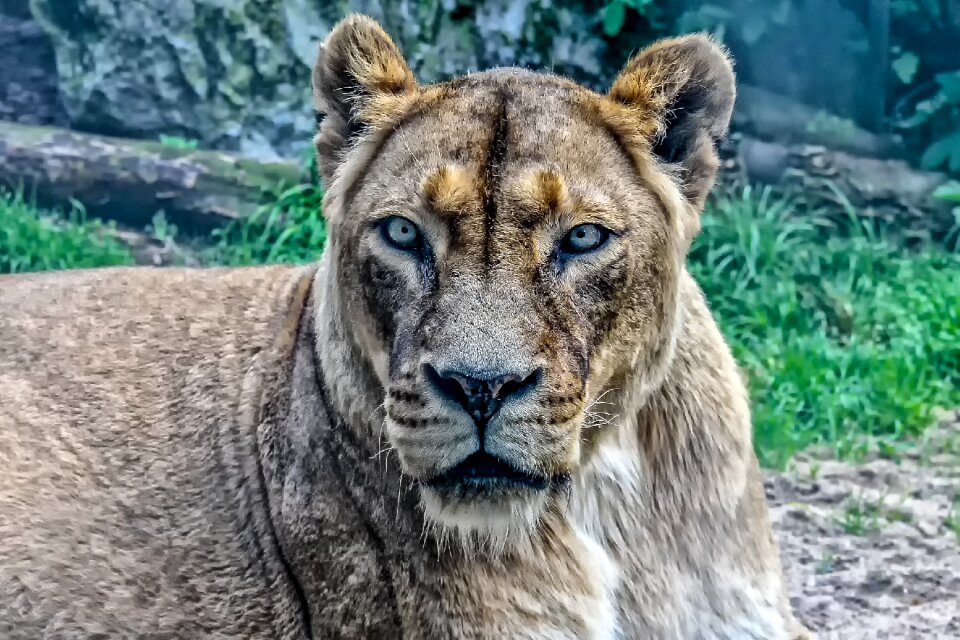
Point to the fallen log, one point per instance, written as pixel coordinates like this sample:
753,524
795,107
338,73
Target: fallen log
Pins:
130,180
887,189
769,116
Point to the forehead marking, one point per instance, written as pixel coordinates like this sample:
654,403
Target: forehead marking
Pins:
546,190
450,191
493,169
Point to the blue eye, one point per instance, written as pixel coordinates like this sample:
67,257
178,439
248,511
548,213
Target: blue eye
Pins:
584,239
401,233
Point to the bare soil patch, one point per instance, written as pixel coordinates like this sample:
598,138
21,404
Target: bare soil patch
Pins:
871,548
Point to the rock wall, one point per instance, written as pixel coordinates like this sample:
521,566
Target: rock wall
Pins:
234,74
28,75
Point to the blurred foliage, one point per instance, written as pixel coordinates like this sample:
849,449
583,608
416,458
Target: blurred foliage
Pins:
926,37
949,192
793,47
31,240
939,117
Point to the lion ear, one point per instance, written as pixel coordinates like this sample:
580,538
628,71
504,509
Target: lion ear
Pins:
357,64
684,89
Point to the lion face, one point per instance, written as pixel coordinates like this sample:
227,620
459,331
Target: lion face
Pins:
509,246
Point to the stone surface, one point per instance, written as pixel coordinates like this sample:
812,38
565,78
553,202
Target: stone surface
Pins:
235,74
28,76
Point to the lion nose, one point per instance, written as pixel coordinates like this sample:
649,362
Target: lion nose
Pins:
481,397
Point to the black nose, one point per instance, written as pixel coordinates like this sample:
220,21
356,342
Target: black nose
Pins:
481,397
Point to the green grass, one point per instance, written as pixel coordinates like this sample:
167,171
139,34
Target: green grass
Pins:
952,520
32,240
289,230
860,518
178,143
846,338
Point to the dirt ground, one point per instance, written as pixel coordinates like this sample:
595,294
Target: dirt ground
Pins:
871,549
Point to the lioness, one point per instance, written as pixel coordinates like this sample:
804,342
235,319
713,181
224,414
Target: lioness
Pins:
498,407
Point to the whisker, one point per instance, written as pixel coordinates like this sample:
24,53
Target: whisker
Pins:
399,490
383,424
386,449
381,406
599,399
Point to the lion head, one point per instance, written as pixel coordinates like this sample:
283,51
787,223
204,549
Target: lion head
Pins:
507,246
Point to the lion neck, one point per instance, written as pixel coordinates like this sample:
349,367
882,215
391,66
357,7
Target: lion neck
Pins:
679,450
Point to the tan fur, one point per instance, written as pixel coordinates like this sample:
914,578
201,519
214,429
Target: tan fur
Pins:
543,192
450,190
253,453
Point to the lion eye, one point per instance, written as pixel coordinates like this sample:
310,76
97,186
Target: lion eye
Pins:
584,239
401,233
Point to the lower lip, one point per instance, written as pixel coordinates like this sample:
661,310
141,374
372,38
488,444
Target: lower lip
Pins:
488,483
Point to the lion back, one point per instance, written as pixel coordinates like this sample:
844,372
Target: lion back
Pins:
129,495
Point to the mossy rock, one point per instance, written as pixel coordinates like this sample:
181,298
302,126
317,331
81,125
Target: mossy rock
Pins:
235,75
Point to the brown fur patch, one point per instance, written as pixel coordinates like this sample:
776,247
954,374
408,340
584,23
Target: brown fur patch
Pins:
451,190
544,191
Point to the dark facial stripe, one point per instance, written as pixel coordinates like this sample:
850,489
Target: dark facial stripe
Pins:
493,169
606,291
381,290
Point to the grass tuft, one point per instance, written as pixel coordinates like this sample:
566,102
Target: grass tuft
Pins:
291,229
33,240
845,337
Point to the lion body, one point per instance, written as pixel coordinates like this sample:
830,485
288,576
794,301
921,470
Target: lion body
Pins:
130,502
276,452
146,490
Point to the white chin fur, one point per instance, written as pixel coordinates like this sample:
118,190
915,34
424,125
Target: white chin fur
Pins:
483,526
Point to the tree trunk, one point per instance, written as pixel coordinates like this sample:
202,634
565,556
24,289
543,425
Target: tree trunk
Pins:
130,180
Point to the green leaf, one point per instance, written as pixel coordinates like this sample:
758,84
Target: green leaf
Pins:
945,151
905,66
950,86
614,15
949,191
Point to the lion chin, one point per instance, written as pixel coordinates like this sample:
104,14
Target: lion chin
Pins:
485,504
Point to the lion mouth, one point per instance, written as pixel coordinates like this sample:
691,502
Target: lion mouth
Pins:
483,471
